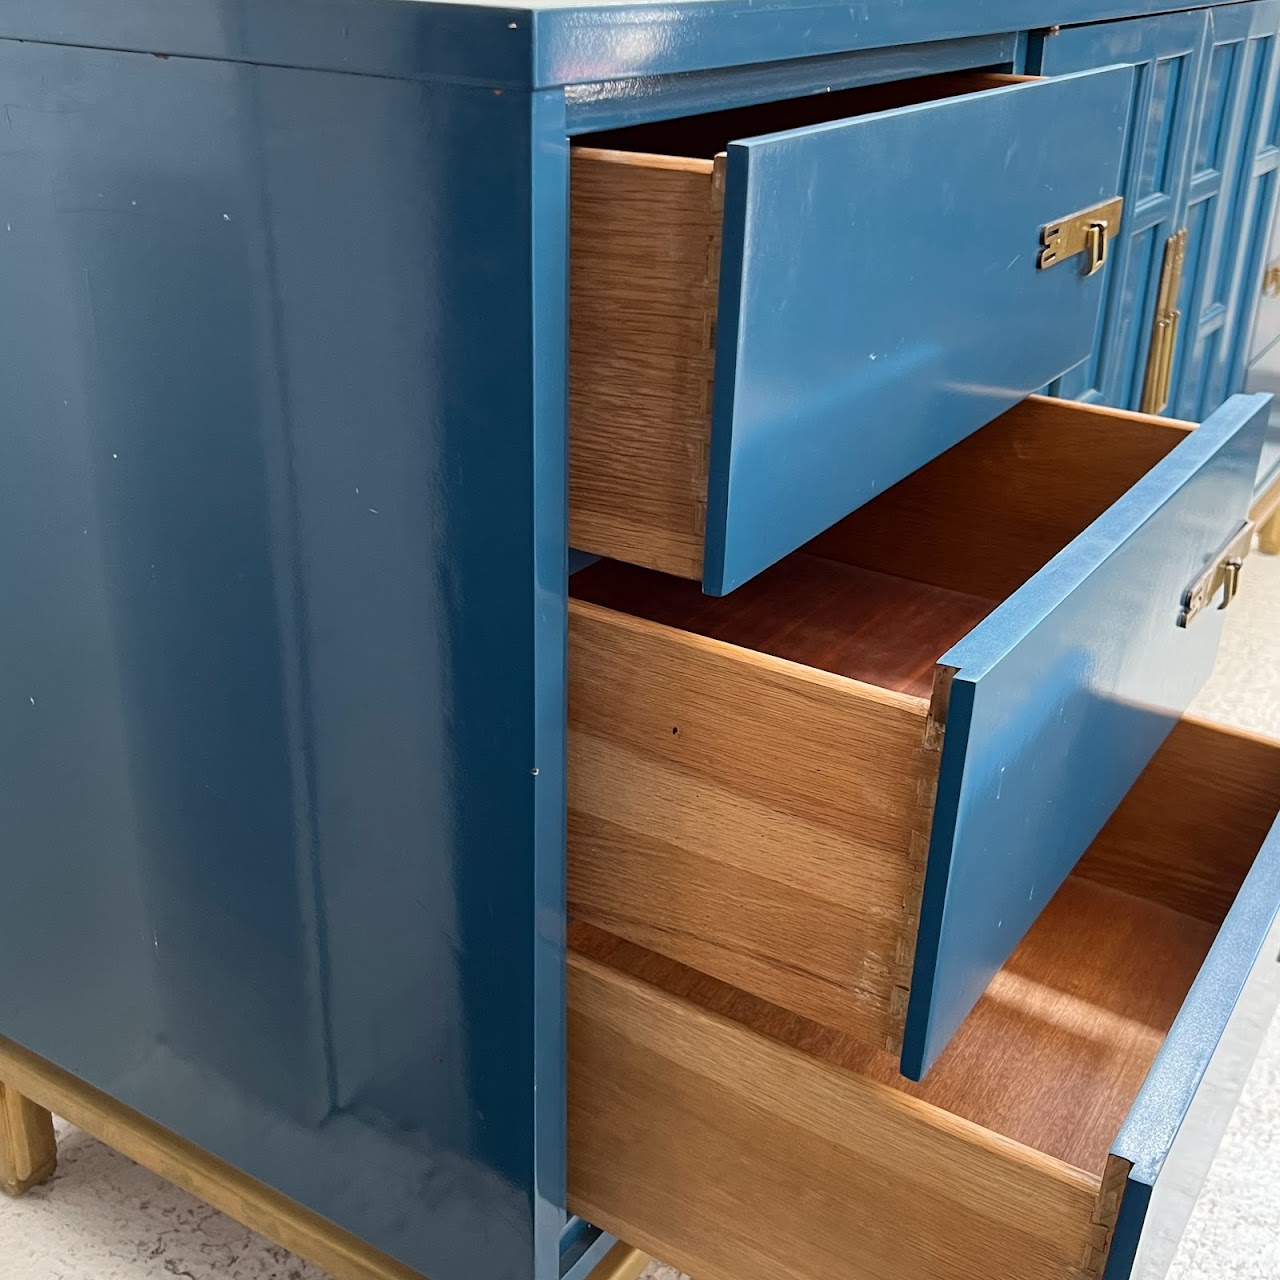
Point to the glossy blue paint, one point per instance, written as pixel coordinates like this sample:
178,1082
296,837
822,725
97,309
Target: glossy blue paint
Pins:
1204,156
655,37
616,104
1222,198
1167,52
1059,699
486,44
866,326
1259,183
282,771
575,43
1178,1119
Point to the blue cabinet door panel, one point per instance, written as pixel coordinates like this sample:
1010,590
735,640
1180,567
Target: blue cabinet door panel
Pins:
880,298
1221,202
1178,1119
1058,699
1166,52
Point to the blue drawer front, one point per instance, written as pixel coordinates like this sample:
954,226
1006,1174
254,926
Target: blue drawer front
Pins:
1058,700
1178,1119
880,299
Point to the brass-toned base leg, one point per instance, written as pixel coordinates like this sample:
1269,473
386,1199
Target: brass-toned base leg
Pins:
28,1151
622,1262
1269,535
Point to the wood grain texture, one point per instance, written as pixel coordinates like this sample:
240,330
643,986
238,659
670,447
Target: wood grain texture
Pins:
990,512
28,1149
248,1201
761,821
1105,1215
1052,1056
836,617
644,269
1187,833
736,1157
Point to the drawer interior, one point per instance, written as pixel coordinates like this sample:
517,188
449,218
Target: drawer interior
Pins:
705,136
798,713
1040,1077
883,594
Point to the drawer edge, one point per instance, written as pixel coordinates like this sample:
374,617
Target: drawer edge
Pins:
1180,1116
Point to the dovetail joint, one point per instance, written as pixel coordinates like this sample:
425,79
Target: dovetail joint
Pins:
1106,1213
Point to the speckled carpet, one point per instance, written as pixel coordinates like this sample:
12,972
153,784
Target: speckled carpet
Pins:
102,1218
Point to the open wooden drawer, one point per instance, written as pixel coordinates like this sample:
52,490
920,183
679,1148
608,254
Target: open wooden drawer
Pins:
767,331
851,787
1064,1132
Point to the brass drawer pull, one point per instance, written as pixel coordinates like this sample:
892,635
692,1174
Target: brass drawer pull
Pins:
1271,281
1087,232
1222,575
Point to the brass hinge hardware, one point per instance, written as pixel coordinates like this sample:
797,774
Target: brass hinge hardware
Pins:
1223,574
1271,281
1158,379
1087,232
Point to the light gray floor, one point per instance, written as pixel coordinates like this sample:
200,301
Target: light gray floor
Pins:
103,1218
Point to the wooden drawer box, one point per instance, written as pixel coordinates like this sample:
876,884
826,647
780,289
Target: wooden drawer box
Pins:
851,787
1062,1135
764,336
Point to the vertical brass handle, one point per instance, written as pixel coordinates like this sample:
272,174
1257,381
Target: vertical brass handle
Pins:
1171,348
1157,381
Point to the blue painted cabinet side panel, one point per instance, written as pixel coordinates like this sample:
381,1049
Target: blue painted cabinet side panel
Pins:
282,795
1221,192
1167,52
1179,1117
867,323
1060,697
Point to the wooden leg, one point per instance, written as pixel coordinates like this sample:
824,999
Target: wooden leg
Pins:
1269,535
28,1152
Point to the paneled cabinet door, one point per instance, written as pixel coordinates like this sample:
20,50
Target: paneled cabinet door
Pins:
1227,205
1201,156
1167,51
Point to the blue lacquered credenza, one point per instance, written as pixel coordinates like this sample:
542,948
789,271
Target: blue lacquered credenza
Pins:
822,881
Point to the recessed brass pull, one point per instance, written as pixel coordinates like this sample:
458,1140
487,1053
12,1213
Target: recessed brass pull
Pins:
1095,239
1223,574
1087,232
1158,379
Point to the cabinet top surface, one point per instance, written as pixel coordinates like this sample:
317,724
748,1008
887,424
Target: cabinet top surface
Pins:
562,42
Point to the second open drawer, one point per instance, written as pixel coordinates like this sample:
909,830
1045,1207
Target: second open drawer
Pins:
851,787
